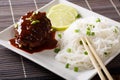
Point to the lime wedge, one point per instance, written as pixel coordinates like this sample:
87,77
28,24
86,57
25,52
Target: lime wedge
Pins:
62,16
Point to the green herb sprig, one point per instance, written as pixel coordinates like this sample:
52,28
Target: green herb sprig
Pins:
69,50
85,52
76,69
98,20
56,50
67,65
35,22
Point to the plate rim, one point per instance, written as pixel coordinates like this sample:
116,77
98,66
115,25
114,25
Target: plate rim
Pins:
1,41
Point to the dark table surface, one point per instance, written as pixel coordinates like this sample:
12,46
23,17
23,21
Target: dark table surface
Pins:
14,66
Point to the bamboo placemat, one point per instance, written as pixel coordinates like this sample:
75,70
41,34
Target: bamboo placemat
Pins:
13,66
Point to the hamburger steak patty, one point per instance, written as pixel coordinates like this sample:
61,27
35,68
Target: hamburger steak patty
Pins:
33,30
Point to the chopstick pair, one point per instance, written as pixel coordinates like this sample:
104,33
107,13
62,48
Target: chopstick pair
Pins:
95,59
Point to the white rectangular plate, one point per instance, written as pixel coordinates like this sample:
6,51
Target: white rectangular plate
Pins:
46,58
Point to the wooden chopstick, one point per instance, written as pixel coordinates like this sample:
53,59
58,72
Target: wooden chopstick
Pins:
99,60
94,62
93,56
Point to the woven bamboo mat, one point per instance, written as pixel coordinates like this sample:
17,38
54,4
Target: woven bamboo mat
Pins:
13,66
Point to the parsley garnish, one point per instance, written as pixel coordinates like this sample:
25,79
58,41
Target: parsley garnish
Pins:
81,43
89,32
56,50
35,22
85,52
60,36
77,30
69,50
78,16
67,65
98,20
76,69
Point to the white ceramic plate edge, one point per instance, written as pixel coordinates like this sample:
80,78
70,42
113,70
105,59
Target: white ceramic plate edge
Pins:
70,75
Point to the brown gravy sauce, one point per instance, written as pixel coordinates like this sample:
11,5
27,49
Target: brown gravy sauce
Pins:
48,45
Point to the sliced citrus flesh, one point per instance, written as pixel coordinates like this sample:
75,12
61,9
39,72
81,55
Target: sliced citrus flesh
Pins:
62,16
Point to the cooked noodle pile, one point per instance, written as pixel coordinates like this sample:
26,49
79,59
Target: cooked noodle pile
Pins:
104,37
